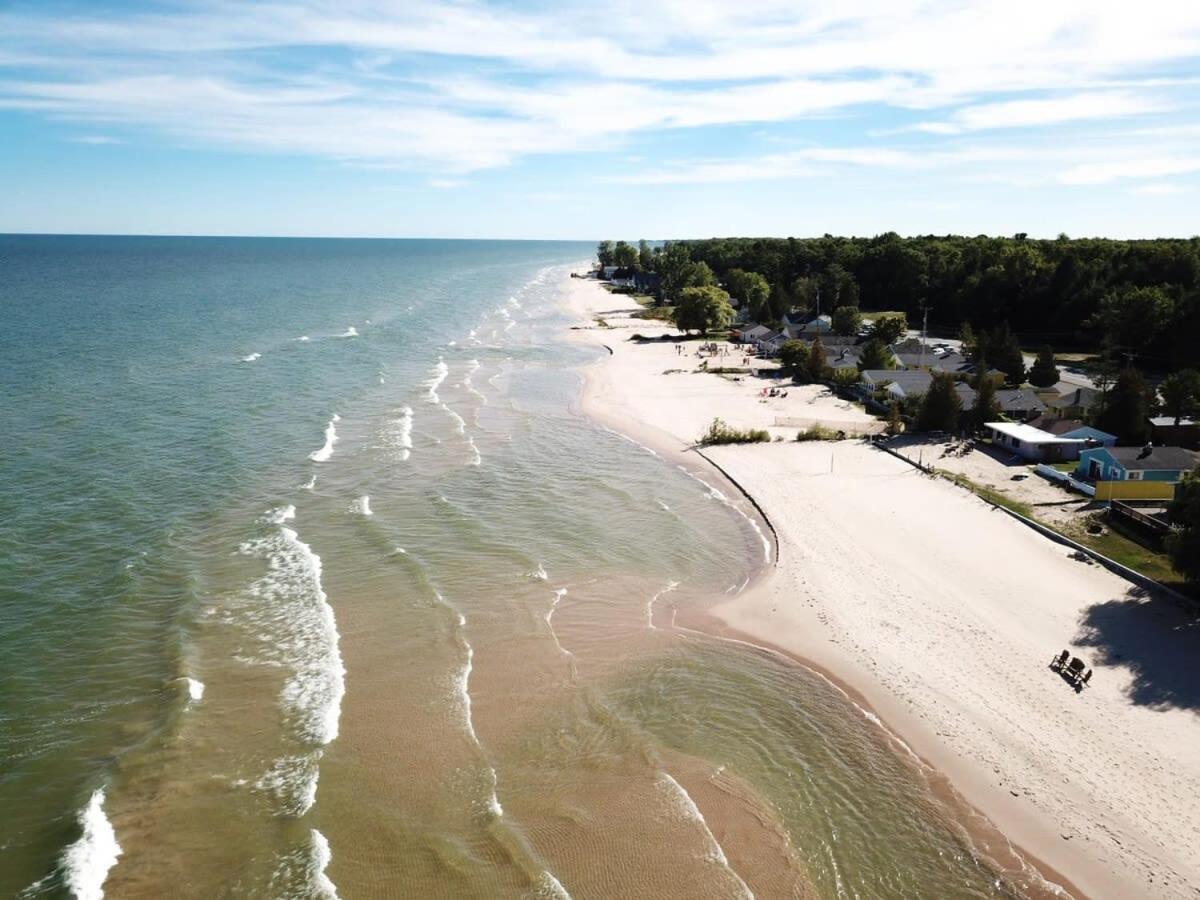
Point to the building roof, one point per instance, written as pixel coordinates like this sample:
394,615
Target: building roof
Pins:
910,382
755,331
1084,398
1027,434
1019,401
1089,433
1169,422
1171,459
1049,422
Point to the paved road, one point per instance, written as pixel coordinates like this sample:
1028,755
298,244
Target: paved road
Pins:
1068,376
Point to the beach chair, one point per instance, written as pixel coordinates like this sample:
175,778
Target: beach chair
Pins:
1074,670
1059,661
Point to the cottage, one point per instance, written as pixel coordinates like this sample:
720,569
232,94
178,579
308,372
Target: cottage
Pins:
770,343
646,282
1164,464
1033,443
1019,403
751,333
623,277
1165,430
842,357
897,385
1075,404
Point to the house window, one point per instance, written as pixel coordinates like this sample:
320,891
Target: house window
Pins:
1135,476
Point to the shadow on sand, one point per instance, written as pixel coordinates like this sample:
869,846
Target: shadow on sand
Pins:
1152,637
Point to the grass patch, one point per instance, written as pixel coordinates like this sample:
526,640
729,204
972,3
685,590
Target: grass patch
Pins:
1129,552
1112,543
989,494
661,313
816,433
719,432
872,316
1063,466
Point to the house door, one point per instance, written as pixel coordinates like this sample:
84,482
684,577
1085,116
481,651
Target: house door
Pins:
1094,469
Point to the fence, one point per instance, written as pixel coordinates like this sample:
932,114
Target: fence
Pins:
1135,490
1052,474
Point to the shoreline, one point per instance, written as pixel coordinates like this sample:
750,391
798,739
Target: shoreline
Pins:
985,792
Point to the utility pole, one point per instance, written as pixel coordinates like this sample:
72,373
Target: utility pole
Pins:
924,332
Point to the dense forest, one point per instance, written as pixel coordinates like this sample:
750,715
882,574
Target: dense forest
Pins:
1133,301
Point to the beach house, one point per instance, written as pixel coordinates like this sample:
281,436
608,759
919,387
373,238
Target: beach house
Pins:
1033,443
1161,464
896,384
1165,430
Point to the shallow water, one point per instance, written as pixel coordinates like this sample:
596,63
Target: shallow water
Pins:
316,582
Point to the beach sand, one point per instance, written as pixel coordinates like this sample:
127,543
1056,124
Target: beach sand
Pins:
941,614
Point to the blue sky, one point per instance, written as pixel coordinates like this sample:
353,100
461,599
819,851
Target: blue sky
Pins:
656,118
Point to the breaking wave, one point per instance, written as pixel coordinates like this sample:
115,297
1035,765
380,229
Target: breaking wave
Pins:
437,376
87,861
331,438
362,506
349,332
251,357
685,809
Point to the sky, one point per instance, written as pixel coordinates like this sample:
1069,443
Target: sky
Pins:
656,118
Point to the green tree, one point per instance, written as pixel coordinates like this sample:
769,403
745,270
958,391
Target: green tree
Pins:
703,309
1184,541
804,293
874,356
817,368
1132,317
604,253
941,406
890,328
752,290
847,320
1181,394
1044,372
1002,346
987,407
625,255
894,424
838,288
1126,407
793,356
966,336
645,257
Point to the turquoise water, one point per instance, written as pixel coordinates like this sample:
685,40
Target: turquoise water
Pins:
314,580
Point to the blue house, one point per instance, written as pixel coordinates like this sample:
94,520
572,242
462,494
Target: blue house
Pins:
1137,463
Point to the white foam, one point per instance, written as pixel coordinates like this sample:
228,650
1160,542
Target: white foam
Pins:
687,810
298,631
280,514
87,861
459,424
349,332
550,887
304,338
671,585
321,855
362,506
252,357
538,574
437,376
398,433
558,595
664,505
715,494
195,690
292,781
310,484
463,683
494,806
331,438
476,459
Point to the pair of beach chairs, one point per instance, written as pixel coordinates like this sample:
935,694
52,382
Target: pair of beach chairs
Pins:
1072,671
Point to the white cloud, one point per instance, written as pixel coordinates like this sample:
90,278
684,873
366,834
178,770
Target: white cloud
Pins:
452,86
1147,167
1045,111
95,139
1160,189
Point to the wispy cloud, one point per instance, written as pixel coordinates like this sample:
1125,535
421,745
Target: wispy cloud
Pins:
95,139
453,86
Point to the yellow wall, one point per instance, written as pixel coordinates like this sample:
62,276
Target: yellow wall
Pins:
1135,490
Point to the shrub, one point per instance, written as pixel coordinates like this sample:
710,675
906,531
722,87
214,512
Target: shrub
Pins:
719,432
817,433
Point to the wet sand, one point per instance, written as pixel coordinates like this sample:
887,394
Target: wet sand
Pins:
942,616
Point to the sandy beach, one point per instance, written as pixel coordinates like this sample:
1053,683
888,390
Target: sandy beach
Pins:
940,615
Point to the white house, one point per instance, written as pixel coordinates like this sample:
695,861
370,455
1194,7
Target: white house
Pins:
1033,443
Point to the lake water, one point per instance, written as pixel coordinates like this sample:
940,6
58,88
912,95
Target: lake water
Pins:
314,582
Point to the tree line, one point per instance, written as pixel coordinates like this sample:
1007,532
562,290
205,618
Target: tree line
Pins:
1137,302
